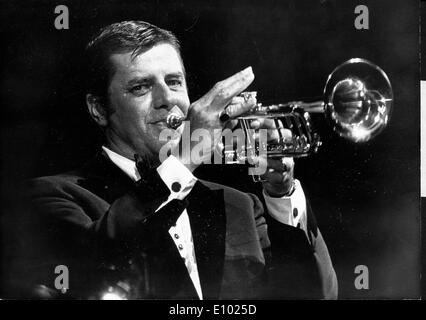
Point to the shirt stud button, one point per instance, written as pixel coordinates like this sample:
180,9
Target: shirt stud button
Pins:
176,236
295,213
176,186
180,247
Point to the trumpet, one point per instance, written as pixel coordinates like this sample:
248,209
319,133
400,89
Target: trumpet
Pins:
357,103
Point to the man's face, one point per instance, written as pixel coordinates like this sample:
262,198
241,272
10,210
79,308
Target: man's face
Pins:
142,92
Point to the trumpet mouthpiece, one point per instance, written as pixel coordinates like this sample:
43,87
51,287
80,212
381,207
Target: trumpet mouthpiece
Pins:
174,120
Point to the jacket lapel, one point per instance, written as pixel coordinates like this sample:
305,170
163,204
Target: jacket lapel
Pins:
206,213
105,179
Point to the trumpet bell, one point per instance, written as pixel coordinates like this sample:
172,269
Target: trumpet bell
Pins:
358,100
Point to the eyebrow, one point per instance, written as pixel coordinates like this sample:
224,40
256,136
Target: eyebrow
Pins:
175,74
137,80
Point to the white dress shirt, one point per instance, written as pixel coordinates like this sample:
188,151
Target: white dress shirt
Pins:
290,210
171,171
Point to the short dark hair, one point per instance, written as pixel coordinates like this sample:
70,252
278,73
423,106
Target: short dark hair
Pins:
121,37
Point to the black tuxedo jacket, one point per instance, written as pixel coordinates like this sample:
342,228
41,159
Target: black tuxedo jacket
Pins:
102,226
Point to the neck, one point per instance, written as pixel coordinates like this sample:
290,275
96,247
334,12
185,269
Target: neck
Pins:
117,148
129,153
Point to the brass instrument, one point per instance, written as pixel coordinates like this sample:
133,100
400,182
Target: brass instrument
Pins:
357,102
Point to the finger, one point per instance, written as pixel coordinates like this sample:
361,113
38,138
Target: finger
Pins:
285,133
260,161
223,92
281,165
237,100
231,124
272,135
276,130
288,163
272,123
279,170
255,124
240,105
278,166
268,125
275,178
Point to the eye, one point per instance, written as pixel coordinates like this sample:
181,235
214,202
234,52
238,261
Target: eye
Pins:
140,89
175,83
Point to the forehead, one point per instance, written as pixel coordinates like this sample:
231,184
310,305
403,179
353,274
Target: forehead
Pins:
159,60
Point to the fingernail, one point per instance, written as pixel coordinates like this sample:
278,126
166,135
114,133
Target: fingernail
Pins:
248,70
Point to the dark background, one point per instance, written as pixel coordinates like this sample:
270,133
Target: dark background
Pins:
366,197
423,155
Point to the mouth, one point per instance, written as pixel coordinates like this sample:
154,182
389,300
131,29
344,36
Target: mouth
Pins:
161,126
160,121
161,118
164,122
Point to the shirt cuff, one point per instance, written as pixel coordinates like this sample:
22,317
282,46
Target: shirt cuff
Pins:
177,177
290,210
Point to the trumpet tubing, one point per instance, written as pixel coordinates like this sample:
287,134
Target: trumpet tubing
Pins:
357,102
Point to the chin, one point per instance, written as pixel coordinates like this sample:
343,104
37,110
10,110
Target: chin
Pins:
162,133
162,150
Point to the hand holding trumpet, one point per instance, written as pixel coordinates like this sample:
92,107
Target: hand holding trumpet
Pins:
219,108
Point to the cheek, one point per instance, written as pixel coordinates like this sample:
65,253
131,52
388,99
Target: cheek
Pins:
186,104
129,115
132,119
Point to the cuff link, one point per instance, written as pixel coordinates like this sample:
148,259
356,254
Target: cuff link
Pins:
176,186
295,212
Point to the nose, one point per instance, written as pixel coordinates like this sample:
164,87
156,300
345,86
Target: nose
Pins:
163,97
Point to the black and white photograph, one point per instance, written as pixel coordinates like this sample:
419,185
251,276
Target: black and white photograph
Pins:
210,150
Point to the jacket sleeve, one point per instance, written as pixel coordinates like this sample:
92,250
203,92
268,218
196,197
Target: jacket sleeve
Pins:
295,259
65,224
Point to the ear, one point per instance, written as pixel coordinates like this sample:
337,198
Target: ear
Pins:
96,109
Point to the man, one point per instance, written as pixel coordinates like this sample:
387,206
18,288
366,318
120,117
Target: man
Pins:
150,226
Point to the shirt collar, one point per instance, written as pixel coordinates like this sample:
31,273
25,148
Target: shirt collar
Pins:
125,164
